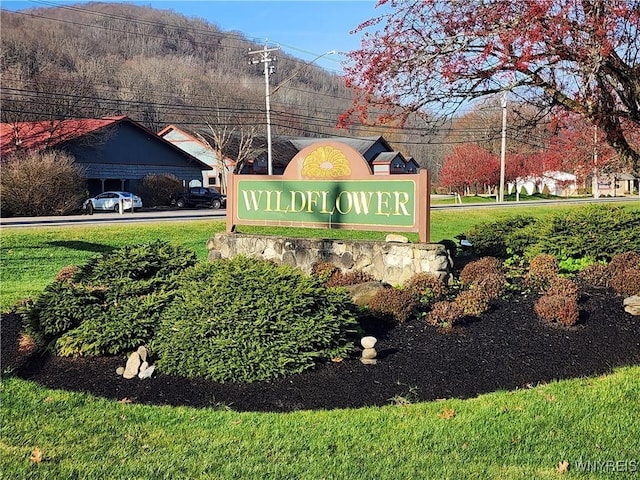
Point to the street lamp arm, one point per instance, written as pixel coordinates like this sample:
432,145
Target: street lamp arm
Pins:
300,69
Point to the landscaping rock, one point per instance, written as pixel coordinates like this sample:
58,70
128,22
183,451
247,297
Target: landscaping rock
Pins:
632,305
132,367
362,293
369,353
368,342
142,351
395,238
119,371
147,372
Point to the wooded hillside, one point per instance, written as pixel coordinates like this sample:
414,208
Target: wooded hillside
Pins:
159,67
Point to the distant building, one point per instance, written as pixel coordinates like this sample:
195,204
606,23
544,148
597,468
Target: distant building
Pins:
115,152
382,159
560,184
200,146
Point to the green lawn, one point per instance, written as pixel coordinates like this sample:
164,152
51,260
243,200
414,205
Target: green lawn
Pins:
592,423
509,435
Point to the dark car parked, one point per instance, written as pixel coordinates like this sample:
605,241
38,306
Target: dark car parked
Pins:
201,196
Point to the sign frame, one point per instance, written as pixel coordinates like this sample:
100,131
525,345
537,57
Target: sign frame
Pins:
329,184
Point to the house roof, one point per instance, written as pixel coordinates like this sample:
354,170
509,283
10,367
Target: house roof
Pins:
48,133
44,134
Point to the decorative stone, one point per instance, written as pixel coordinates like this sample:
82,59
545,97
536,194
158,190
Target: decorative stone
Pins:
132,367
147,372
119,371
395,238
143,366
142,351
368,342
632,305
362,293
369,361
369,353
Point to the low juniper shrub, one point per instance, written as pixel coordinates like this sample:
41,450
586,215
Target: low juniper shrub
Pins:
119,295
245,320
66,273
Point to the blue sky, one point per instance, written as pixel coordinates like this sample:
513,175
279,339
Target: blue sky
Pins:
304,29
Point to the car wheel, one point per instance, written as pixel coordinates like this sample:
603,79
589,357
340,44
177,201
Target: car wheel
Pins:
216,204
90,208
116,208
180,203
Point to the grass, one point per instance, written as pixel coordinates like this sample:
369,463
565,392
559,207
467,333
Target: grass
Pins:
512,435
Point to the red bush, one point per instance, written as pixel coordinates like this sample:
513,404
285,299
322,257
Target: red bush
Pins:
557,308
445,314
393,304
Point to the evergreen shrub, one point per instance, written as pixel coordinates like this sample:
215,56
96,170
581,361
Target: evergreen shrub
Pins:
246,319
597,232
110,304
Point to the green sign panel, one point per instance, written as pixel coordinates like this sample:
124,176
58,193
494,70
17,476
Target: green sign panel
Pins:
357,202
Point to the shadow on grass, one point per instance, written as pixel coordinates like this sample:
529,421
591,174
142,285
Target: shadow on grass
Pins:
83,246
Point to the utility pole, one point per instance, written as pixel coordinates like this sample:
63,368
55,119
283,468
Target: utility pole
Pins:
266,59
503,149
594,183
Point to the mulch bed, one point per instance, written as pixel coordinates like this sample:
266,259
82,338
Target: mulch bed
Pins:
505,349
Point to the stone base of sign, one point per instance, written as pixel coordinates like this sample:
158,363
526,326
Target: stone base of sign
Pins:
388,262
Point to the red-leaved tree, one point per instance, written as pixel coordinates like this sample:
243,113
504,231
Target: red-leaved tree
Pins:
581,56
470,167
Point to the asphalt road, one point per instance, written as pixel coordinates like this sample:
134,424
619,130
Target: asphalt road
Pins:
113,217
213,214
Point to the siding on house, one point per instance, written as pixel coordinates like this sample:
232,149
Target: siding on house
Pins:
115,152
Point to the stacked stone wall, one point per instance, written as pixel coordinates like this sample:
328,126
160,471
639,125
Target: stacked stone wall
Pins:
390,262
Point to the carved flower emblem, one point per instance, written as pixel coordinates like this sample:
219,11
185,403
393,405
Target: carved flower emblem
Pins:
326,162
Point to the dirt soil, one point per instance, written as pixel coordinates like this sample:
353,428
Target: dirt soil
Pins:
507,348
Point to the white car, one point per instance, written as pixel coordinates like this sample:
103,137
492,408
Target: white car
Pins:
110,201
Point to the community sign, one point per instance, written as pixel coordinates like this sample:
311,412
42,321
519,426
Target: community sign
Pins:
330,185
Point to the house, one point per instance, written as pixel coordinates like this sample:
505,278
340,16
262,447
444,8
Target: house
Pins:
382,159
115,152
555,183
199,145
615,184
